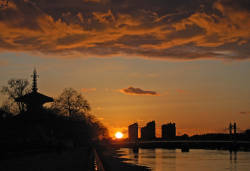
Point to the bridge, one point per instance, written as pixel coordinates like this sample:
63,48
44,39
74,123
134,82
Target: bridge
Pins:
186,144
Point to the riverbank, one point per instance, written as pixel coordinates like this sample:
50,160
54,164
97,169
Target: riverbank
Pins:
113,161
74,159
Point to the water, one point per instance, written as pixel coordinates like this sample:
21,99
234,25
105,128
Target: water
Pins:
194,160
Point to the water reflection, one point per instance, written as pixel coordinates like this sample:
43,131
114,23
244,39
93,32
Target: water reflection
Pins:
133,152
233,155
165,158
147,156
173,160
233,160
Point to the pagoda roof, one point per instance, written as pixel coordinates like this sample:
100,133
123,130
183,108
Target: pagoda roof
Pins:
34,97
34,100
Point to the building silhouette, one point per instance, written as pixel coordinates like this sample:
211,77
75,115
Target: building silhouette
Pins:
168,130
235,128
34,100
232,128
133,131
148,132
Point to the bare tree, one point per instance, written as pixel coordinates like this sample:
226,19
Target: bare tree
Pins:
98,130
16,88
71,102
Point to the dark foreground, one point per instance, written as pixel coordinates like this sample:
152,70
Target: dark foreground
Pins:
74,159
78,159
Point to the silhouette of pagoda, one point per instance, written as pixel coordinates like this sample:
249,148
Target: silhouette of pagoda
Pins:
34,100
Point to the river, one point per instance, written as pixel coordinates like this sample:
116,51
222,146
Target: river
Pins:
195,160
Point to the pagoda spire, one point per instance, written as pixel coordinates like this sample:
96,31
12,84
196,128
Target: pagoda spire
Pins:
34,85
34,100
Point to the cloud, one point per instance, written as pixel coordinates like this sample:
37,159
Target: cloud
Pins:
137,91
181,91
244,113
87,90
179,30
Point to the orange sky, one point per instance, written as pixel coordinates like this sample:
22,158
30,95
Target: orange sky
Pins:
184,61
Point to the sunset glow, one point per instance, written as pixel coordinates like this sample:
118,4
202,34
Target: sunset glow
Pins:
118,135
99,75
170,61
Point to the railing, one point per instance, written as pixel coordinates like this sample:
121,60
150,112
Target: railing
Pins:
98,162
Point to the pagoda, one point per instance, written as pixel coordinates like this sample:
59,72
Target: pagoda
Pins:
34,100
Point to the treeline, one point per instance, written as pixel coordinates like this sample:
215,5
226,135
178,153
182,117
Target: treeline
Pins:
66,122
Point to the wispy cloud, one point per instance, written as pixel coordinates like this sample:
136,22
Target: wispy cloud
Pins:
87,90
245,113
181,91
138,91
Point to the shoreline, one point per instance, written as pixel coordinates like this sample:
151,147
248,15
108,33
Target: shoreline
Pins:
113,161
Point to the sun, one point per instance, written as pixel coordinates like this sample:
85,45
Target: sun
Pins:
118,135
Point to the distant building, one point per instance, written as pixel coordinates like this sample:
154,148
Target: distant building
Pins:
235,128
232,128
133,131
148,132
168,130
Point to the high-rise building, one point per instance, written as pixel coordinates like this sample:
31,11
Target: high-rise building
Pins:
148,132
133,131
168,130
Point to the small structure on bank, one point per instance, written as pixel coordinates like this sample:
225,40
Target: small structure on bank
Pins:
34,100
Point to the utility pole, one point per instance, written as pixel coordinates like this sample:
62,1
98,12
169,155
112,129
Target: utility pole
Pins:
235,128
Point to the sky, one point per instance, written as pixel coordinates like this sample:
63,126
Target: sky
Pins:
183,61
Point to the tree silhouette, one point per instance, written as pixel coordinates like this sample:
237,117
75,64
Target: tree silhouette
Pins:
71,102
16,88
97,129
